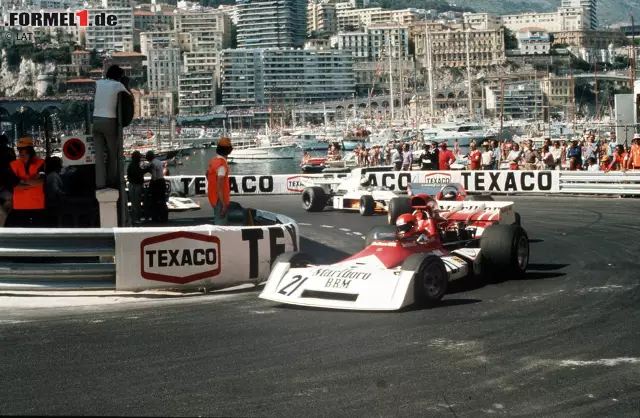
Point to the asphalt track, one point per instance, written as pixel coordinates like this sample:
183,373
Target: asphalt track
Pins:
564,341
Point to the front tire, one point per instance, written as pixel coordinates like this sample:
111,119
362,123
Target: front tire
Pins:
430,280
398,206
505,251
314,199
367,205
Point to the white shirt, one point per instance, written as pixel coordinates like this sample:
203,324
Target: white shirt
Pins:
594,167
487,156
106,99
157,169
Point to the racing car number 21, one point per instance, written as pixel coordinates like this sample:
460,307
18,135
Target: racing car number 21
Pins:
296,282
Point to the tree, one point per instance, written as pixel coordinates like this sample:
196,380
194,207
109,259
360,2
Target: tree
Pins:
510,40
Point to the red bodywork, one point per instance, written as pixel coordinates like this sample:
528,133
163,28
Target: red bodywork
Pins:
393,253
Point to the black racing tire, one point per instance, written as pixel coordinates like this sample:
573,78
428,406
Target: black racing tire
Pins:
479,198
505,252
430,280
297,259
314,199
518,220
398,206
385,229
367,205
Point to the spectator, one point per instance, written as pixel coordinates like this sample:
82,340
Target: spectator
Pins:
28,194
157,190
514,157
619,161
487,157
475,156
574,155
397,159
135,177
497,154
407,158
634,158
105,126
445,157
54,190
604,163
219,188
548,159
593,164
530,156
7,178
557,154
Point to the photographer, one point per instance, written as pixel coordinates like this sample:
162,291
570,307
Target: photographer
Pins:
105,125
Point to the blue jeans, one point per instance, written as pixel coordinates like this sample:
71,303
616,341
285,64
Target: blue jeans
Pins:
217,219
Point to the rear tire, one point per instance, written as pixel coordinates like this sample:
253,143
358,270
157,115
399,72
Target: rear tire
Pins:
505,252
479,198
314,199
398,206
297,259
518,220
430,280
367,205
384,229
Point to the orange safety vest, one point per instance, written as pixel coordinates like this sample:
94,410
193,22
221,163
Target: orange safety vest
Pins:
635,157
29,197
212,180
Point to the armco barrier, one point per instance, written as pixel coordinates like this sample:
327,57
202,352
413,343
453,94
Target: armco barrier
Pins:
144,258
499,181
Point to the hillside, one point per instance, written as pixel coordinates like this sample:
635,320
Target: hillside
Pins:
609,11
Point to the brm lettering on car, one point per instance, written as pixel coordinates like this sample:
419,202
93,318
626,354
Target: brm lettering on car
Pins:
338,283
342,274
277,244
392,181
180,257
508,181
251,184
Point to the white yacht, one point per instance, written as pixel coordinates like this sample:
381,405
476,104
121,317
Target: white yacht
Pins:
264,147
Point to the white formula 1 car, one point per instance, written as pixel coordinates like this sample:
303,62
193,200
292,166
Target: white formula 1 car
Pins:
181,204
476,239
350,193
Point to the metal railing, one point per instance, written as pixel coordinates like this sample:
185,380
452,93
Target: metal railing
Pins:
599,183
57,259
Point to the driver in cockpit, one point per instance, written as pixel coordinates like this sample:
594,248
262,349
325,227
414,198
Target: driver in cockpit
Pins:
422,222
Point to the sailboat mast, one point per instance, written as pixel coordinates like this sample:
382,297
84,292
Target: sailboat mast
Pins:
427,40
595,74
390,76
469,74
573,100
501,110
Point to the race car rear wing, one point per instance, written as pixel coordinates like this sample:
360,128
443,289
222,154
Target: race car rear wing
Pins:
474,211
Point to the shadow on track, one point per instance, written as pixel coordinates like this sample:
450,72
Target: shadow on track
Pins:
322,253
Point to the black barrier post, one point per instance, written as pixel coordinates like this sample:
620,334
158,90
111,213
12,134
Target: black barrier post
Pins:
123,211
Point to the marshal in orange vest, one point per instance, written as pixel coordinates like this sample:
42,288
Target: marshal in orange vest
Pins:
28,196
212,180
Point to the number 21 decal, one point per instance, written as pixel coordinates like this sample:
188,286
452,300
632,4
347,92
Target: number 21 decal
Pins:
296,282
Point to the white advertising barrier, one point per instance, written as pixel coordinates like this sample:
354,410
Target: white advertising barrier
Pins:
500,181
204,256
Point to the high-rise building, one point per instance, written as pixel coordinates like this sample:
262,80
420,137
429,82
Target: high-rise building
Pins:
369,44
209,30
590,8
196,92
260,77
111,38
163,60
321,17
272,23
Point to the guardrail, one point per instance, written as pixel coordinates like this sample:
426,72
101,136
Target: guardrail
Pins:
205,256
495,181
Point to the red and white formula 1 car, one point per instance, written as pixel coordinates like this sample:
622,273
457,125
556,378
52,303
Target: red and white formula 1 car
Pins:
473,239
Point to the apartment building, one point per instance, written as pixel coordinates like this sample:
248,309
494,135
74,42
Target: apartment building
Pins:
111,38
145,20
522,100
373,43
558,92
560,20
533,41
131,62
449,45
590,8
196,92
272,23
155,105
267,76
209,30
163,60
321,17
350,19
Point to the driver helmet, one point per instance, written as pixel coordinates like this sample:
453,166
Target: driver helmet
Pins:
450,195
406,225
